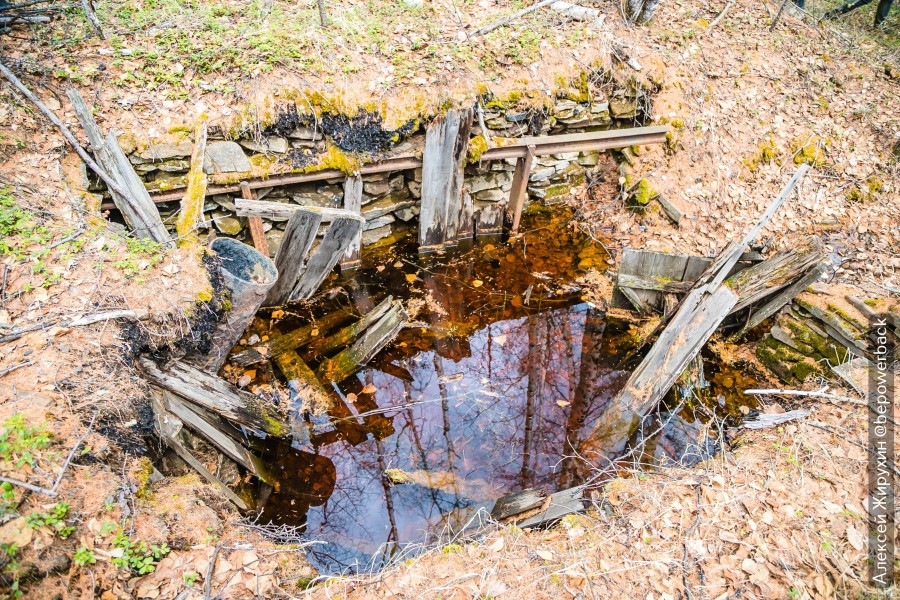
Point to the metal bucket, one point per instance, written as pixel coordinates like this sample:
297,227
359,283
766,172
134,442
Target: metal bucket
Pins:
247,276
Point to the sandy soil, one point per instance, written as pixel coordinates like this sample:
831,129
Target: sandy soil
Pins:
780,514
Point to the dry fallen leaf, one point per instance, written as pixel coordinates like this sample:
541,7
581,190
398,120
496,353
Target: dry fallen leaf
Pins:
369,389
497,546
410,277
350,398
545,554
562,403
477,283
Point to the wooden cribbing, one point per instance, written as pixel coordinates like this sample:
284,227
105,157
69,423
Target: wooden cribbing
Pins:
352,359
353,189
195,195
340,234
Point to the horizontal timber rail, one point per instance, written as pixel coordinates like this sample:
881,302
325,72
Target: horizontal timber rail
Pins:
542,145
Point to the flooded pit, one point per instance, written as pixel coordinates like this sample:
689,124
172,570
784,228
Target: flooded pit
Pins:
491,390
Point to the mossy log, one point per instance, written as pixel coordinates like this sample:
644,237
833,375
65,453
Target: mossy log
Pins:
289,341
315,396
216,395
195,194
348,335
350,360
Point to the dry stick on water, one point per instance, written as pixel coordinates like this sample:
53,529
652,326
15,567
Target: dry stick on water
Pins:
52,490
109,181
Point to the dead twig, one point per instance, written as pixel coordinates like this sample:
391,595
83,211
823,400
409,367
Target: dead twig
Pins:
207,583
718,17
9,370
816,394
511,18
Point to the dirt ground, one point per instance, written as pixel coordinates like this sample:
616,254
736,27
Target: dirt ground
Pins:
779,514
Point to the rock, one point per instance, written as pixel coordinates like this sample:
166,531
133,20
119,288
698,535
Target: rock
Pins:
306,133
517,130
566,156
536,193
501,165
160,152
384,186
378,222
542,174
622,107
589,159
165,182
331,200
598,108
564,109
227,224
388,204
277,145
517,117
407,214
494,179
225,157
225,202
370,236
415,188
273,239
496,123
491,195
417,175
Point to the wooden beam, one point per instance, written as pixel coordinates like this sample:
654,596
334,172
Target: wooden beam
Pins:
340,235
353,189
256,225
283,210
511,148
290,259
349,361
291,340
519,189
782,298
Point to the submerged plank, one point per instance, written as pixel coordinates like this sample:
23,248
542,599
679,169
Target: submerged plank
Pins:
289,341
352,359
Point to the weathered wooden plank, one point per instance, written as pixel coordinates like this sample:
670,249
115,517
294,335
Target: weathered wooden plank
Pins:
169,428
299,235
315,396
348,335
780,299
351,359
141,216
489,219
673,212
195,194
353,189
764,278
282,210
215,395
519,189
699,315
517,503
565,502
446,143
341,233
152,222
639,304
209,427
466,230
658,283
257,234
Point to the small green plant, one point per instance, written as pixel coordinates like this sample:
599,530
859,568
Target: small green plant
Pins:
19,441
137,556
83,556
55,519
190,578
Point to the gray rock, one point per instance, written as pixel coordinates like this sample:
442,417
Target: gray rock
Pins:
306,133
589,159
494,179
273,239
388,204
332,200
599,108
622,107
225,157
501,165
415,188
384,186
563,109
225,202
160,152
493,195
373,235
226,223
542,174
417,175
516,117
497,123
379,222
277,145
407,214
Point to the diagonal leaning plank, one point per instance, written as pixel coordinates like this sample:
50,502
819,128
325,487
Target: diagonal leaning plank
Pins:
338,238
299,236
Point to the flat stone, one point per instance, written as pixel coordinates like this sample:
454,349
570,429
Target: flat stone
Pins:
388,204
273,239
278,145
500,165
415,188
371,236
384,186
407,214
622,107
600,108
417,175
494,179
160,152
225,202
492,195
542,174
225,157
227,224
589,159
498,123
306,133
516,117
317,199
379,222
566,156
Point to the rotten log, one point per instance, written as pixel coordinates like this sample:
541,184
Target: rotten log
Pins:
350,360
781,299
348,335
299,235
289,341
191,212
340,234
215,395
169,429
